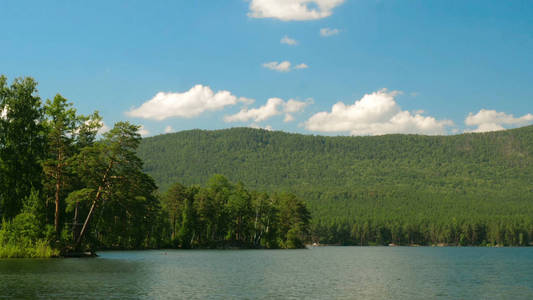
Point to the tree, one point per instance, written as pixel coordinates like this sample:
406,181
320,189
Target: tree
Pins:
187,232
62,125
22,143
240,213
293,220
174,201
105,163
50,153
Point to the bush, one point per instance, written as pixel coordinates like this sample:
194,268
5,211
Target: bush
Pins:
41,249
24,236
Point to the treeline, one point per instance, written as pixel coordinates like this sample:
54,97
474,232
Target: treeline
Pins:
64,190
426,232
223,215
467,189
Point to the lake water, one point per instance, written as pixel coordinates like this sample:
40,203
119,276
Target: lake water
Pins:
317,273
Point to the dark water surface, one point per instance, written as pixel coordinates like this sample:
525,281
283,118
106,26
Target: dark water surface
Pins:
317,273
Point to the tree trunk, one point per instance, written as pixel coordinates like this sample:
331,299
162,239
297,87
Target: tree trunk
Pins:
56,216
75,223
174,226
93,206
89,216
58,188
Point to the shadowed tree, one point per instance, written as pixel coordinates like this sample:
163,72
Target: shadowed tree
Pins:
105,163
22,143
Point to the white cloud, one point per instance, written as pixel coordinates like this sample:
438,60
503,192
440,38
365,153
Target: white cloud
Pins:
287,40
191,103
273,107
143,131
293,10
3,113
487,128
103,128
284,66
491,120
375,114
262,113
293,106
288,118
325,32
246,101
169,129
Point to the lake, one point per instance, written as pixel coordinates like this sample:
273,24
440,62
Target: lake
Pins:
316,273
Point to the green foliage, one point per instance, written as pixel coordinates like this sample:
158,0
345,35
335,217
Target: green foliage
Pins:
22,143
24,235
62,126
470,189
60,188
223,214
118,199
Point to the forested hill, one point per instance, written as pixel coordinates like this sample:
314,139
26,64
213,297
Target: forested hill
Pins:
279,160
344,179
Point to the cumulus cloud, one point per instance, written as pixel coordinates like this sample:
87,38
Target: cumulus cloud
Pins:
287,40
491,120
293,10
103,128
246,101
169,129
284,66
143,131
375,114
293,106
191,103
325,32
259,114
273,107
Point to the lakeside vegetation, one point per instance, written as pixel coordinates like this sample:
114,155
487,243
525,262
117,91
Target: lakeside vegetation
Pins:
67,188
62,189
228,215
467,189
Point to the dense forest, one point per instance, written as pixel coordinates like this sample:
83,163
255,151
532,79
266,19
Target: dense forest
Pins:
67,188
228,215
467,189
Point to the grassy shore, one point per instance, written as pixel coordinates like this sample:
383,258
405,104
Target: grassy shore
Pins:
41,249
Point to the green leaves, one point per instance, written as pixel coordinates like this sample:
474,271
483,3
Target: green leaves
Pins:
22,143
225,214
83,196
101,195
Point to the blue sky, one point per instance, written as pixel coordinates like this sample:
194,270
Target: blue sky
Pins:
428,67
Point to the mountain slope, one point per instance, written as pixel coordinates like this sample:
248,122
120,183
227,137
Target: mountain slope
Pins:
347,180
